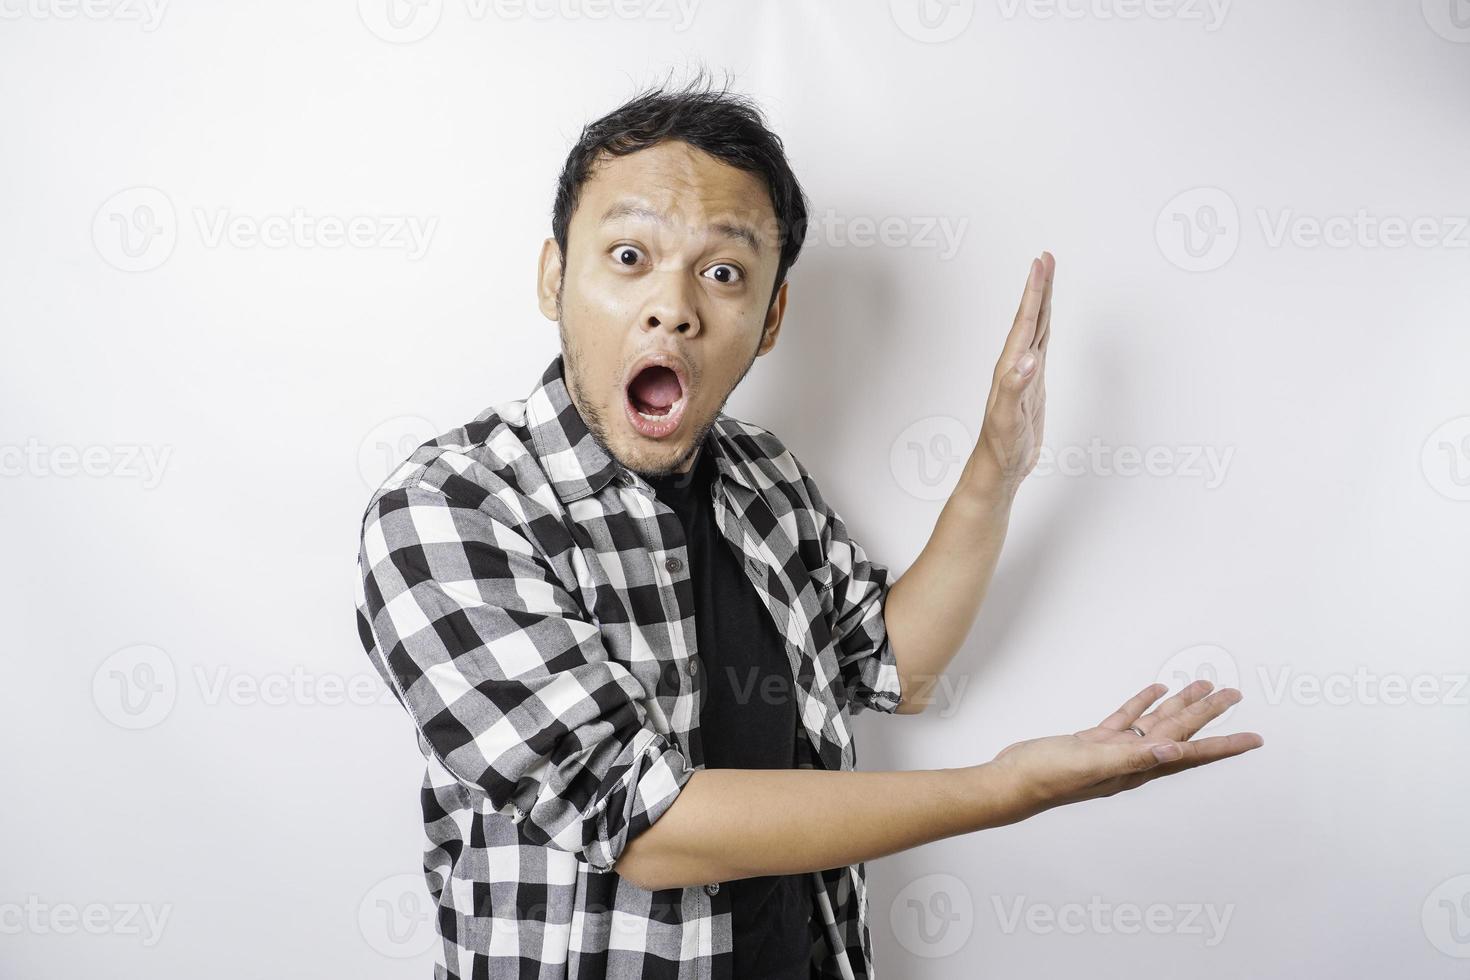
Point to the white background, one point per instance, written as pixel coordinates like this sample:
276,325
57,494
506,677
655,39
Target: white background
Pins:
186,732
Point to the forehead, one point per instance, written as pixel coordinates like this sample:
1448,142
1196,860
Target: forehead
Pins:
678,180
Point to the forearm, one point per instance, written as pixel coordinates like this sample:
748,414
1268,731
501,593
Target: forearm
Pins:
931,608
727,824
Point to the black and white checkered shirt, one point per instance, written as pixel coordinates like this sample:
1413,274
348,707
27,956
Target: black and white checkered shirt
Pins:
527,598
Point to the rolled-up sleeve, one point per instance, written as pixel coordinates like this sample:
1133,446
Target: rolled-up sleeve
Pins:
509,685
859,588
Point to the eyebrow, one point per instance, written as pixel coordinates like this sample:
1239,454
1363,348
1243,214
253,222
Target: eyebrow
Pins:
726,229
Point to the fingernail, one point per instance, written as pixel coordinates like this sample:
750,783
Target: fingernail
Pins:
1026,363
1166,751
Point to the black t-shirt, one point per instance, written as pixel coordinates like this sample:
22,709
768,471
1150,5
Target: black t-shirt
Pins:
747,720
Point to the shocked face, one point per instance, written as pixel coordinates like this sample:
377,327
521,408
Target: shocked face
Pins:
663,298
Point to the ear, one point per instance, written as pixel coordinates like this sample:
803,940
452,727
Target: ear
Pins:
773,321
548,278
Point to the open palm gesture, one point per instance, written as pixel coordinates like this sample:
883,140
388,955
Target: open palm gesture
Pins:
1111,757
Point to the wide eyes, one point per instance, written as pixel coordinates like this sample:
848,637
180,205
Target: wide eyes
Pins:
724,273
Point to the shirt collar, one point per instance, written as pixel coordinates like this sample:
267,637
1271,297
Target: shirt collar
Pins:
574,461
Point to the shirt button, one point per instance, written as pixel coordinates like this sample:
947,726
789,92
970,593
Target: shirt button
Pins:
711,889
673,564
693,666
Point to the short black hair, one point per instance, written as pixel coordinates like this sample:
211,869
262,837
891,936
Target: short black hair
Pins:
728,126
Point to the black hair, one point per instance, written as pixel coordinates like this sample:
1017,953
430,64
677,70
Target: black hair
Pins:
728,126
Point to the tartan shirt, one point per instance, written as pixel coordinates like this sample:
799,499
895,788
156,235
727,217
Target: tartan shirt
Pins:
527,599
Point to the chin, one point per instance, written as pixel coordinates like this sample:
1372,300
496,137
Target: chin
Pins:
648,455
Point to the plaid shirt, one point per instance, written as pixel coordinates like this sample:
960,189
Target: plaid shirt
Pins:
527,598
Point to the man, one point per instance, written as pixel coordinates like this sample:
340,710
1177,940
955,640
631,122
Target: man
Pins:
629,629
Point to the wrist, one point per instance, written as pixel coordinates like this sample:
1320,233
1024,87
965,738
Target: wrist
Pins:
995,795
981,485
984,500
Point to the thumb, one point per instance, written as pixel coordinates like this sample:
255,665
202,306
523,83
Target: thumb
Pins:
1012,383
1147,756
1021,372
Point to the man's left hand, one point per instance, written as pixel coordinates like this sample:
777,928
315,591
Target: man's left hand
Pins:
1010,437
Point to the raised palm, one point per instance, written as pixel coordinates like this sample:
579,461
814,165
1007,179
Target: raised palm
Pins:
1015,410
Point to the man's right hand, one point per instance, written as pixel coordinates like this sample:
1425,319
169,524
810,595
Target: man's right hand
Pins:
1061,769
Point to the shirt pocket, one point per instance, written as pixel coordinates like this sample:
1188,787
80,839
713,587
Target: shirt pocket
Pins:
822,582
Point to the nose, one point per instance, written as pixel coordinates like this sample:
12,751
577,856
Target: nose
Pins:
671,306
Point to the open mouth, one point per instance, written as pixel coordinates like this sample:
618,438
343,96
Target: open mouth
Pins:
655,400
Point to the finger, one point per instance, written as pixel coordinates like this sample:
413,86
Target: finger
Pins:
1186,696
1004,406
1023,328
1043,326
1191,719
1207,750
1145,756
1119,720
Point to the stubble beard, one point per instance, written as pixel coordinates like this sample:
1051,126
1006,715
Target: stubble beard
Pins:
592,414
